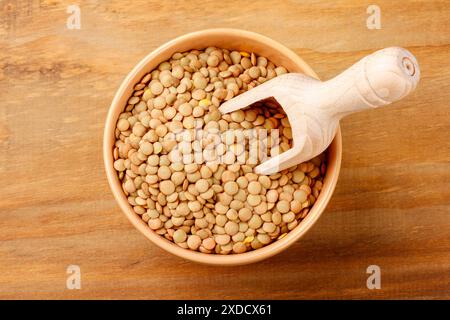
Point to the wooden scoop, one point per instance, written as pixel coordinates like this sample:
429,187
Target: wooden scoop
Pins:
314,108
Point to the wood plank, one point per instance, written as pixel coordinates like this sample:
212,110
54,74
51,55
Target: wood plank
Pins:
391,206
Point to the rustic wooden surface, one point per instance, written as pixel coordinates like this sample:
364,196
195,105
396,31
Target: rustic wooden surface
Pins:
391,207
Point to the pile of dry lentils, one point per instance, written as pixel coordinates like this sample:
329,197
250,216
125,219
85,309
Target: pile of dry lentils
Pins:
217,207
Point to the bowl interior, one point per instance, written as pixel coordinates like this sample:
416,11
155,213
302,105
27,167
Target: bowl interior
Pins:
234,40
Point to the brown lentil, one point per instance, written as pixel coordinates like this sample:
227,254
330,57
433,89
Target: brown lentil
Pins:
212,208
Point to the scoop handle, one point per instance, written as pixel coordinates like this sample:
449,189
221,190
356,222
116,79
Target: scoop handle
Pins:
378,79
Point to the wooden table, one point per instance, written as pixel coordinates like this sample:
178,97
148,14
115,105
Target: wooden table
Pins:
391,207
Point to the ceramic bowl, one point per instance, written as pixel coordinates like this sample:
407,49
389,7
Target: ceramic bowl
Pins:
232,39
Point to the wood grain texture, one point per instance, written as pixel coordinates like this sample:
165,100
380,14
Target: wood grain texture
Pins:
392,202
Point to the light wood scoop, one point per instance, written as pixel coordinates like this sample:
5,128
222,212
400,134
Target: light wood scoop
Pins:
314,108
